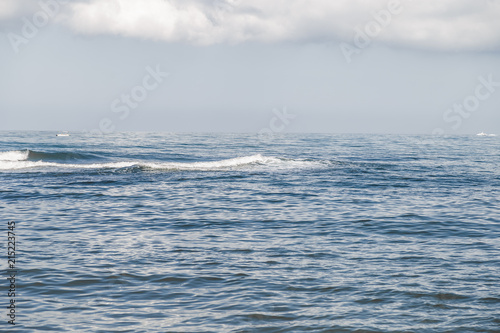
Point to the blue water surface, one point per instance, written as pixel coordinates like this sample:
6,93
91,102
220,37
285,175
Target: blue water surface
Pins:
158,232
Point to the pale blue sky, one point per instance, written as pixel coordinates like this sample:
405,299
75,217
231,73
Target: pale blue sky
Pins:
74,72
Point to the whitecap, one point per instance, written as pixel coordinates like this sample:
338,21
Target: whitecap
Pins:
14,155
253,161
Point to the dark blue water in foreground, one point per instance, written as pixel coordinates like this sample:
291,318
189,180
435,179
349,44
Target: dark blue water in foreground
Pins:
144,232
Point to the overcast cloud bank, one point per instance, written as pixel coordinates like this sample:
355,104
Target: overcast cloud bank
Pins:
454,25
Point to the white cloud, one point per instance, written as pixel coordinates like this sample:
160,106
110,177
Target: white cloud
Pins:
443,25
16,8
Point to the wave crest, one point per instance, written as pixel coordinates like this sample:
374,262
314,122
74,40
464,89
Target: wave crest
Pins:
20,160
31,155
14,155
214,165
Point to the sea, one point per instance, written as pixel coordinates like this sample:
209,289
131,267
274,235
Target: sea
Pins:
164,232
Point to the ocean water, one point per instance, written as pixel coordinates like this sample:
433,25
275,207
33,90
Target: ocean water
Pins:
158,232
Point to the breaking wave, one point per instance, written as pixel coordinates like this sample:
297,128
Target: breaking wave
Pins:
30,155
16,155
15,160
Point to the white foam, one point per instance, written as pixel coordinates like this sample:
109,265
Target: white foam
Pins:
215,165
246,162
16,165
228,164
14,155
112,165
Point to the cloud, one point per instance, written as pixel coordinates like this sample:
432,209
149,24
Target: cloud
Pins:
11,9
468,25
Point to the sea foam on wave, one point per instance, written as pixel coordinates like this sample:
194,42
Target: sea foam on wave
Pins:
213,165
14,155
16,165
16,160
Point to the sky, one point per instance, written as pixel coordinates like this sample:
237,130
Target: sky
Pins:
337,66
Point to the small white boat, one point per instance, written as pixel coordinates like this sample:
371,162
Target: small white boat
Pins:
484,134
63,134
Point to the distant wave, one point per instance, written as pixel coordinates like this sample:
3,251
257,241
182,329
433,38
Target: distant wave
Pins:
213,165
234,163
14,160
30,155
